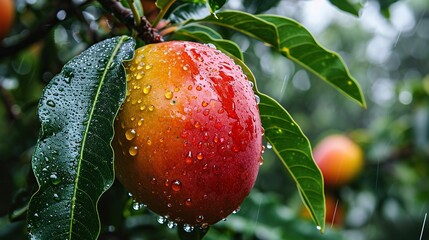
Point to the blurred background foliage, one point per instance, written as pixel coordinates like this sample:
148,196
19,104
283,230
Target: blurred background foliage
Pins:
386,49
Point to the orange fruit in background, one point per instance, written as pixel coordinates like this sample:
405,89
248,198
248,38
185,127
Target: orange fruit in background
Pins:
7,15
188,138
339,159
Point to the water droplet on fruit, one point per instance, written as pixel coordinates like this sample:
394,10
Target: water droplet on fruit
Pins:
199,88
197,124
130,134
186,67
211,45
137,206
206,112
168,95
151,108
235,148
133,150
153,181
147,67
139,76
188,228
171,224
149,142
50,103
188,159
261,161
200,156
204,104
140,122
142,107
258,99
269,146
251,84
199,218
236,211
188,202
161,220
147,88
204,226
176,185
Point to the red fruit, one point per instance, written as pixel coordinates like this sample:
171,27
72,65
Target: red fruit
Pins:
7,15
188,137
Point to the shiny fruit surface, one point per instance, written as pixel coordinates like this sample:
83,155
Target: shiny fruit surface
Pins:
188,137
7,14
339,158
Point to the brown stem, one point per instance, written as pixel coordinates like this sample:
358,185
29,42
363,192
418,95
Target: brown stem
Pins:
145,30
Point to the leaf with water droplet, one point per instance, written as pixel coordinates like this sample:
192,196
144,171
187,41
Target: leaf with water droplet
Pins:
73,159
292,147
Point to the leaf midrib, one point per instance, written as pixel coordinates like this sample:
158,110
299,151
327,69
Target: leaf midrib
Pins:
76,183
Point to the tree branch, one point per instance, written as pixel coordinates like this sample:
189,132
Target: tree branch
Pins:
145,30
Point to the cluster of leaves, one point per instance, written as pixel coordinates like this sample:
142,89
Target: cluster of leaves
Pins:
73,161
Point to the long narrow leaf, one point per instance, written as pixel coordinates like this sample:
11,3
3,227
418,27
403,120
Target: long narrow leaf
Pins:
294,150
296,43
73,159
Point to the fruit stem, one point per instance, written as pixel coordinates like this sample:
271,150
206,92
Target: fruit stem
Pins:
162,12
136,13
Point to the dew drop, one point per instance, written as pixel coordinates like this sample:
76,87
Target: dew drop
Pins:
188,159
139,76
36,215
269,146
204,104
188,228
151,108
251,84
319,228
161,220
168,94
50,103
153,181
130,134
147,67
257,99
176,185
261,161
140,122
56,197
185,67
204,225
199,88
137,206
147,88
236,211
55,179
188,202
200,156
133,150
199,218
211,45
171,224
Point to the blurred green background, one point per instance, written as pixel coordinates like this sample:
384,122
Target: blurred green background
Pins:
387,51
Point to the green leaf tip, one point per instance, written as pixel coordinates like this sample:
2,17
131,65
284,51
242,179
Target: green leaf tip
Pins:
73,159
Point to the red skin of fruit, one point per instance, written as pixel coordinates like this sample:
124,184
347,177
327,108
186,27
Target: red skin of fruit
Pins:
339,159
192,123
7,14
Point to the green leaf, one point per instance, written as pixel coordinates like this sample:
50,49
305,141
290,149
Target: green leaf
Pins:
205,34
294,150
161,3
347,6
189,11
216,4
73,159
295,42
